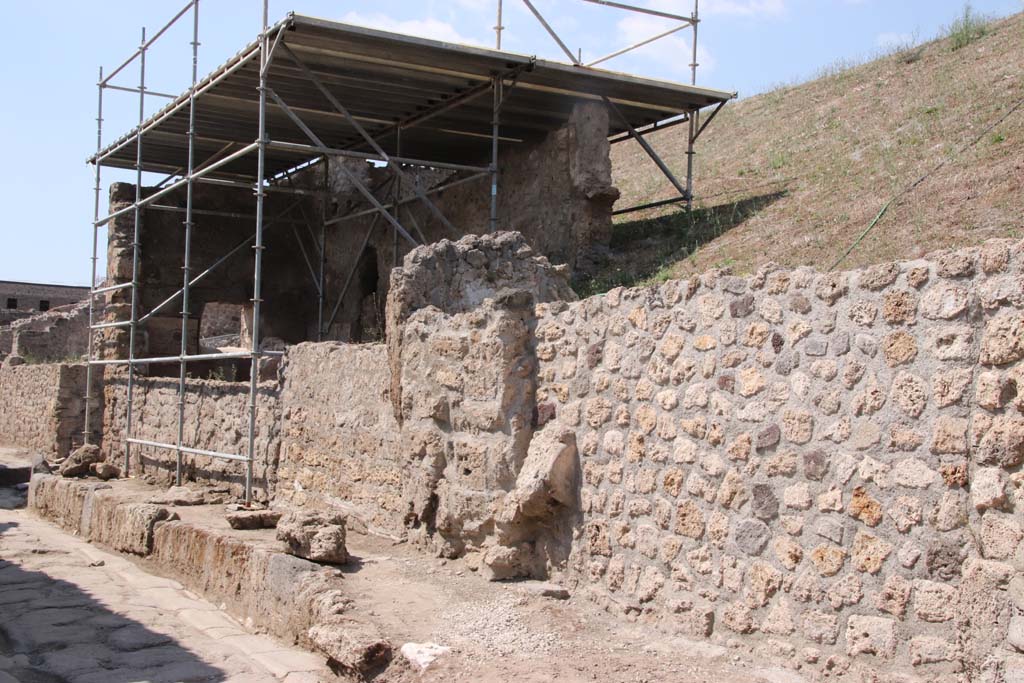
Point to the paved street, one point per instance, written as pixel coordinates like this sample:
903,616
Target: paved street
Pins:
72,612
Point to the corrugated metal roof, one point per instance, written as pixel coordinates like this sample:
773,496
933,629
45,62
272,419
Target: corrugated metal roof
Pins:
384,78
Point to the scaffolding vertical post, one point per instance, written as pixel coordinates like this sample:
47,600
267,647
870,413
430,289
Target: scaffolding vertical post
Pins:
187,259
136,236
496,87
498,28
323,258
694,114
261,148
97,189
398,199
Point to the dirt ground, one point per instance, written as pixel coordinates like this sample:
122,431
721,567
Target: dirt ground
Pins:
495,631
501,632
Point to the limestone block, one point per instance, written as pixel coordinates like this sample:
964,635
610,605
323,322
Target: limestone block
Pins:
910,393
933,601
828,559
988,488
79,461
788,552
869,552
932,650
316,536
950,435
1000,535
918,276
871,635
949,386
864,507
899,348
894,595
820,627
899,307
944,302
1003,339
879,276
994,391
355,646
1003,443
845,592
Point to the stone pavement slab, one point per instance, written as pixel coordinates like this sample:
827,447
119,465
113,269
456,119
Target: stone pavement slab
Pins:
74,612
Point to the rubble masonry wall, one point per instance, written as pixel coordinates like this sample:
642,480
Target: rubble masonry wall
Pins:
826,464
216,419
42,407
339,437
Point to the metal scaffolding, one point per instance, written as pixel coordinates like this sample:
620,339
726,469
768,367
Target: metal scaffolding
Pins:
431,120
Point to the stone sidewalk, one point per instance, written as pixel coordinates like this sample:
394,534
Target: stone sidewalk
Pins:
72,612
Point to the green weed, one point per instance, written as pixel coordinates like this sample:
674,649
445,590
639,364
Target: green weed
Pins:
966,29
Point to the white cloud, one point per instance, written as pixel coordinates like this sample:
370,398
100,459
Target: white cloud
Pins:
425,28
745,8
672,53
888,41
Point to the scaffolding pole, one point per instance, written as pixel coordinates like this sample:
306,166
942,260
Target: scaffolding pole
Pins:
261,149
97,189
136,236
495,125
694,115
187,260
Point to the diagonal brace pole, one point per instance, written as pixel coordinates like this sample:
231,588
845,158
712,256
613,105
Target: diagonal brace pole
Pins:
551,32
647,148
348,174
366,136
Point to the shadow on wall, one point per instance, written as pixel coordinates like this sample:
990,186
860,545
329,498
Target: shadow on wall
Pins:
643,251
45,620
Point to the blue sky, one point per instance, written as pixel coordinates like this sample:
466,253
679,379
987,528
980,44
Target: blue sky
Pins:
53,50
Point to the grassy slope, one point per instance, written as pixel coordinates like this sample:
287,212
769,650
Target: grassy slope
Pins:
796,174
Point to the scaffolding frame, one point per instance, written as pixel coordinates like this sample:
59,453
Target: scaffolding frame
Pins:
271,46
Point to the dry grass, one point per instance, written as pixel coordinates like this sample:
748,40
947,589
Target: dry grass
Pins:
795,174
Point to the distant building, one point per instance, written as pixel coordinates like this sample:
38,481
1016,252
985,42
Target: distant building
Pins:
32,296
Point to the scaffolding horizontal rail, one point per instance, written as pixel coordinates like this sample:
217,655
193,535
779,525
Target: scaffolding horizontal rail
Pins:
116,323
111,288
234,355
186,449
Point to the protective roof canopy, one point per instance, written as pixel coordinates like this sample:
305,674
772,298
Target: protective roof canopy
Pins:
384,78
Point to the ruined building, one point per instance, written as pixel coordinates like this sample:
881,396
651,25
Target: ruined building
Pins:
824,466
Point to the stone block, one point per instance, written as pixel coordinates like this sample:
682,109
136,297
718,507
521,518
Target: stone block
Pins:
315,536
871,635
934,602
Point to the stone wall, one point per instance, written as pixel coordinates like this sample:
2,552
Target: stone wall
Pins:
339,437
216,419
42,407
826,465
60,334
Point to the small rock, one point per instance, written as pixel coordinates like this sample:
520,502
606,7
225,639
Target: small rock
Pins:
316,536
178,495
543,589
105,471
79,461
422,655
253,519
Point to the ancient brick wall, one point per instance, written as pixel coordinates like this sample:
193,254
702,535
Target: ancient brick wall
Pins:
826,465
216,419
42,407
339,437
